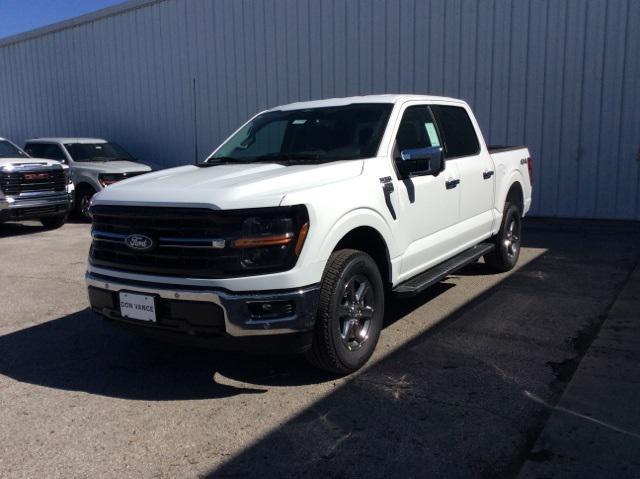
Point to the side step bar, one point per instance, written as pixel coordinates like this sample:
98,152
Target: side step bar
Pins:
430,277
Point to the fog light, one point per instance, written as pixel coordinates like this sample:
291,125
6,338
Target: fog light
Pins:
270,309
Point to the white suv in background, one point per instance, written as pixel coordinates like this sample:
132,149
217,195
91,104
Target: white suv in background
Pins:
94,163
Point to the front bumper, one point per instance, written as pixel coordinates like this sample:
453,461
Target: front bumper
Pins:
207,314
34,206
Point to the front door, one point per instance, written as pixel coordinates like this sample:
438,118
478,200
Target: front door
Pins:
428,205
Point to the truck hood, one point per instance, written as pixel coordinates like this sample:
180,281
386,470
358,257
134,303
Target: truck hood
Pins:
227,186
21,162
110,166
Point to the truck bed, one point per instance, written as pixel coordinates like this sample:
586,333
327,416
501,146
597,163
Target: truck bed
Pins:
514,159
500,149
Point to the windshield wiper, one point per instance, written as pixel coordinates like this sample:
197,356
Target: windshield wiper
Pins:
219,160
283,158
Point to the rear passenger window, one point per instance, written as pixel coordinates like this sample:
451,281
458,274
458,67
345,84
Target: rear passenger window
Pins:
457,131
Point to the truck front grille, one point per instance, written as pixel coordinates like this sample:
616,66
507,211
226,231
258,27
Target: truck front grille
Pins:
183,240
15,183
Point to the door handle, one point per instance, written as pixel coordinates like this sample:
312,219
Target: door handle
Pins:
487,174
452,183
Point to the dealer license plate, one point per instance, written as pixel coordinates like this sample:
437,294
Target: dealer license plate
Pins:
138,306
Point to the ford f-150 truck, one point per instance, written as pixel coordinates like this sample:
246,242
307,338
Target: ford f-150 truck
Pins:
33,188
94,163
291,232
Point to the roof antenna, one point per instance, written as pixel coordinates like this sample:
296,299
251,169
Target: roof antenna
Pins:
195,123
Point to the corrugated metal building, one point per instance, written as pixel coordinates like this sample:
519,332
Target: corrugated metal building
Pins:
560,76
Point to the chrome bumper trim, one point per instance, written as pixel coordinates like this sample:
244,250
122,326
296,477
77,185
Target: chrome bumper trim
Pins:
236,317
11,202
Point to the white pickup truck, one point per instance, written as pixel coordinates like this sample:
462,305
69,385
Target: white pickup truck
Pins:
290,234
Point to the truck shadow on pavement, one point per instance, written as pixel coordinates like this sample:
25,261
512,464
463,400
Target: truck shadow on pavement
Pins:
81,352
30,227
19,229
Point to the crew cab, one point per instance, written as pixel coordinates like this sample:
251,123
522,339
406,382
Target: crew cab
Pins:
289,234
33,188
95,163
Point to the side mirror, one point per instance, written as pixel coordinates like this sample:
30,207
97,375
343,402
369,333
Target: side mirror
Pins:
422,161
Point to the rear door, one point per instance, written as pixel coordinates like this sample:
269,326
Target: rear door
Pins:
477,176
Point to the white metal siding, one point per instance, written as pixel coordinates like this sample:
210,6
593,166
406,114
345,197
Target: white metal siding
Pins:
562,76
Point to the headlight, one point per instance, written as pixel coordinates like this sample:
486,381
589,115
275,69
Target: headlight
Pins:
70,185
107,179
272,240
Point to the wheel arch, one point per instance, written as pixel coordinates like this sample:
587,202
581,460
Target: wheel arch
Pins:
368,240
83,185
515,195
364,230
513,191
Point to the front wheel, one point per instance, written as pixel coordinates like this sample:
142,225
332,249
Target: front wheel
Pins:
83,201
350,313
507,242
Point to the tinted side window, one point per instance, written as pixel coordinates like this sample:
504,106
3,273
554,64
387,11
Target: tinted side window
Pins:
457,131
417,130
35,149
45,150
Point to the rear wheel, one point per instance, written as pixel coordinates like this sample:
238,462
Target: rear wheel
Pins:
507,251
350,313
83,201
53,222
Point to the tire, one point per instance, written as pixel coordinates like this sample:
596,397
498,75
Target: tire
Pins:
83,199
350,313
507,251
53,222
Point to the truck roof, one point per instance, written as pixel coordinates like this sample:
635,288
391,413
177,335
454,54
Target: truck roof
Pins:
388,98
66,140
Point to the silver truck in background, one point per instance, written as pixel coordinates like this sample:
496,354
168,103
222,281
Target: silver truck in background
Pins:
33,188
94,163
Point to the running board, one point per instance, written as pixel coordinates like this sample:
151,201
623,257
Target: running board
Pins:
430,277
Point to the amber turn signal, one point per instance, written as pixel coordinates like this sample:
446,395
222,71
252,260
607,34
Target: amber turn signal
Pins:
258,241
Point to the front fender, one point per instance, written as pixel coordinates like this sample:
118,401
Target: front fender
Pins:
88,178
361,217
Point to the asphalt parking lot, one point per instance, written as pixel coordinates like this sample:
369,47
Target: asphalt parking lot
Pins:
456,388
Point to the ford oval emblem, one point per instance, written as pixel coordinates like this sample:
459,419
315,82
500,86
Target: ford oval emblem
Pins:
139,242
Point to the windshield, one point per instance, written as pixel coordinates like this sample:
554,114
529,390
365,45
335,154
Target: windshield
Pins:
9,150
97,152
316,134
